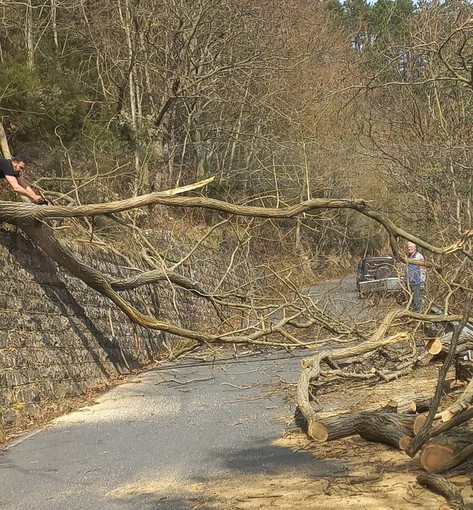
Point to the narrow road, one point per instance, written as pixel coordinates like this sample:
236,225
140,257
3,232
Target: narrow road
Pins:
142,445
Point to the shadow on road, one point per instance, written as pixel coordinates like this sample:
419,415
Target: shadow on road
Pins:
274,460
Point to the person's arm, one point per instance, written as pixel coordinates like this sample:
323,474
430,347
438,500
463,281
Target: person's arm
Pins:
20,186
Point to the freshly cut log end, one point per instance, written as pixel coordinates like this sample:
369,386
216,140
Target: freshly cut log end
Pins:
434,455
333,427
419,422
318,432
446,416
462,456
434,346
404,442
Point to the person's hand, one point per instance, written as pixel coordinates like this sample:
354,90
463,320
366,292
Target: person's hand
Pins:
41,201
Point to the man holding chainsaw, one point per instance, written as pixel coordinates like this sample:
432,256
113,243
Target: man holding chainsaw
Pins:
12,171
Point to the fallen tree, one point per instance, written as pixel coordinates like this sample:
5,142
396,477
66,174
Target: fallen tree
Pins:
270,324
33,221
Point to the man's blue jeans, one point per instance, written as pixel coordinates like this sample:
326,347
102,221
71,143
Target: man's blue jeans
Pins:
416,289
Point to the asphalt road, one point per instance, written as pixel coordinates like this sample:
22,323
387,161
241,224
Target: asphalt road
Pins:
189,420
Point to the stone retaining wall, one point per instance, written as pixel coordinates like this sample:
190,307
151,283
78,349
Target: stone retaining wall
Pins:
59,338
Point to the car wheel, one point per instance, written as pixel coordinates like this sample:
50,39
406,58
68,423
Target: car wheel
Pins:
383,272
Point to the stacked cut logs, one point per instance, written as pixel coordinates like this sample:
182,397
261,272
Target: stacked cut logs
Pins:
450,443
443,445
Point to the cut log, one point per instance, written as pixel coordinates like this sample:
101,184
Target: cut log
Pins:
335,427
331,428
463,402
386,428
461,457
434,346
422,404
434,455
380,425
446,415
445,488
419,422
464,339
411,404
445,447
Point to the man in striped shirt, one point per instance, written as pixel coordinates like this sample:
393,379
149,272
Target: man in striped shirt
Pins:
415,275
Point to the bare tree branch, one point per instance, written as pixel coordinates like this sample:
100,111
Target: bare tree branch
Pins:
11,212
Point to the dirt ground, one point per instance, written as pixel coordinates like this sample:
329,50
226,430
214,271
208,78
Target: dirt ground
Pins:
377,477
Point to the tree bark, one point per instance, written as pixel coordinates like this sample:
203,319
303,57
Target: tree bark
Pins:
333,427
441,344
445,488
386,428
4,143
424,433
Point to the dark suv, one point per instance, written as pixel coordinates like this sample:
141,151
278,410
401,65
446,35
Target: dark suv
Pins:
377,274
